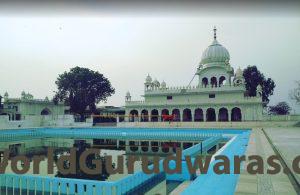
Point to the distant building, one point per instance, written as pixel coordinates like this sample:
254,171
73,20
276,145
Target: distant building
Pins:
108,114
220,94
18,108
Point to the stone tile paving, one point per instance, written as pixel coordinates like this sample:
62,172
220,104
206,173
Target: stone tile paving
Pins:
262,184
287,142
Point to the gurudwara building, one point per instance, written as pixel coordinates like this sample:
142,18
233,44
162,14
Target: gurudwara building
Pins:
220,94
19,108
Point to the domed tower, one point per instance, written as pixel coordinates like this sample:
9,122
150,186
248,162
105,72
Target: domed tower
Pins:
156,84
148,82
127,97
163,85
259,91
5,96
238,78
214,68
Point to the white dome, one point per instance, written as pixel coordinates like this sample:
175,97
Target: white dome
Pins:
215,53
156,83
163,84
239,72
148,79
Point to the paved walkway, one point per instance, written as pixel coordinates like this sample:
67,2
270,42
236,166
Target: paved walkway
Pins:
287,143
264,184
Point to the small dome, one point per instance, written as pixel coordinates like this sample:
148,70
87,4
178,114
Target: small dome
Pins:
148,79
259,88
215,52
156,83
239,72
127,94
163,84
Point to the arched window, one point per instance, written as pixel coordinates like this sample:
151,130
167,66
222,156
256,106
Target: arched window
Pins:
223,114
144,116
176,114
187,115
154,115
222,81
133,115
45,111
236,114
164,112
204,82
213,82
210,114
198,115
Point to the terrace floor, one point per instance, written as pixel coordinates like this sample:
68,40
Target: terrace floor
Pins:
286,141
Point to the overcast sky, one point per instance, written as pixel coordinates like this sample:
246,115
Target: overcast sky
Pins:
35,48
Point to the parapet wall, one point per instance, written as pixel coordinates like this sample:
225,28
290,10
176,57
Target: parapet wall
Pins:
42,121
217,125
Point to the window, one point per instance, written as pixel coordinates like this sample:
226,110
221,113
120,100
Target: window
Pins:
169,97
212,95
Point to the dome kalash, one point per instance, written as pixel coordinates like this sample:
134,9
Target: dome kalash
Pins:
215,53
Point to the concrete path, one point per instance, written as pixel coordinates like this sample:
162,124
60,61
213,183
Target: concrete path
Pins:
287,143
264,184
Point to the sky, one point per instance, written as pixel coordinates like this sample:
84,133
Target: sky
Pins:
165,43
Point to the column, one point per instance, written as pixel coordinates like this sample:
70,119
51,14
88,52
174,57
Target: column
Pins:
127,148
159,115
192,114
181,115
204,115
118,144
159,148
126,117
139,146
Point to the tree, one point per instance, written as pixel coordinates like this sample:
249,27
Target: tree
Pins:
82,88
253,78
295,93
282,108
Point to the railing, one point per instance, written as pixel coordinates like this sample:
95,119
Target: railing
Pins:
212,183
202,147
192,89
182,134
17,184
24,184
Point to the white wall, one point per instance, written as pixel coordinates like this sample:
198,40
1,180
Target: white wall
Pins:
42,121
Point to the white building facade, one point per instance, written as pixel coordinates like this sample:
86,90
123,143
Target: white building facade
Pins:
220,94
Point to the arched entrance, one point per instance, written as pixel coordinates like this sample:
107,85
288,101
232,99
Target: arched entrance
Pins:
133,115
223,114
176,114
164,112
144,116
154,115
236,114
213,82
204,82
222,81
187,115
210,114
198,115
45,111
